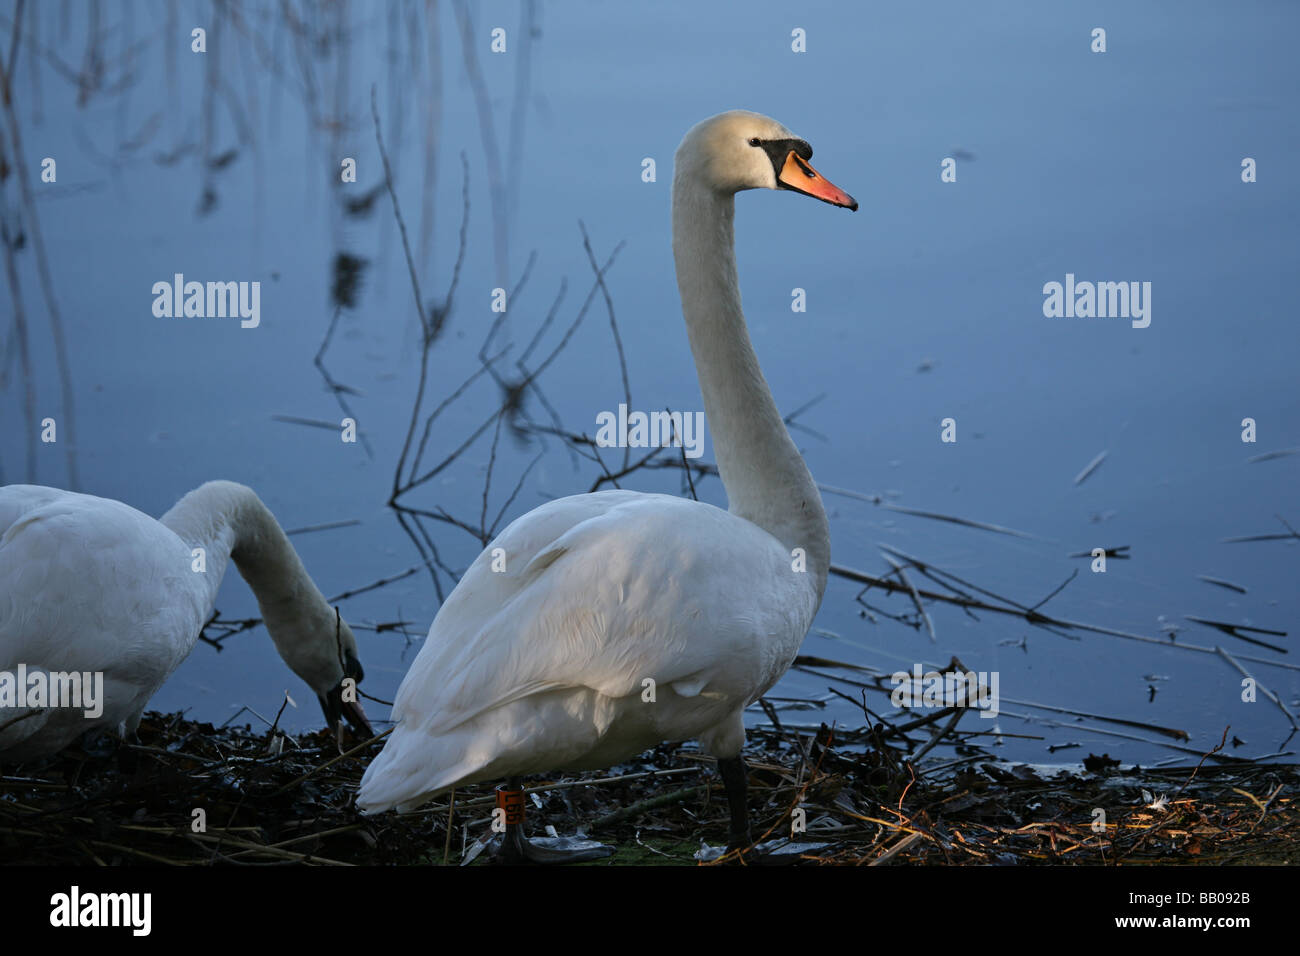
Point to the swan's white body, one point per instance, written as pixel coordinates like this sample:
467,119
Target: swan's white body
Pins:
92,585
545,665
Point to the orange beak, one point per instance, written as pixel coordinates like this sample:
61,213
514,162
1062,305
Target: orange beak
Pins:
796,174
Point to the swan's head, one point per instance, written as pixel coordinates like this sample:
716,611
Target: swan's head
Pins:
310,636
320,648
341,698
742,150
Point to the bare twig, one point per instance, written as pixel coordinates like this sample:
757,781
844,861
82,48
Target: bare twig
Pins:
1089,468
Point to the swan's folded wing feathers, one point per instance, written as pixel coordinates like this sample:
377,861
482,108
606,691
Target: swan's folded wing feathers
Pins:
126,567
634,587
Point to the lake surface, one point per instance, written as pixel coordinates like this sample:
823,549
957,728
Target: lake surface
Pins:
926,305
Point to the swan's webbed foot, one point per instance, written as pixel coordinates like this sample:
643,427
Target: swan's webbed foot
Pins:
513,848
741,848
740,842
778,852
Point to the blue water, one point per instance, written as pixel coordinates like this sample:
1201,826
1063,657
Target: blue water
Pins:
925,305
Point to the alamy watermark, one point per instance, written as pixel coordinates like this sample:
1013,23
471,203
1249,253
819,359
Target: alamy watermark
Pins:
655,430
75,908
42,688
949,689
1102,300
211,300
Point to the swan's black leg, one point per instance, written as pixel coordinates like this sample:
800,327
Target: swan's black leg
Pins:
513,843
735,779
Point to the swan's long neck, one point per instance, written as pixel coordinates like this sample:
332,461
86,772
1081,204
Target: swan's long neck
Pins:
766,479
228,521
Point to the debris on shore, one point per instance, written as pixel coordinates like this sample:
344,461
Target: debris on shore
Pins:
191,794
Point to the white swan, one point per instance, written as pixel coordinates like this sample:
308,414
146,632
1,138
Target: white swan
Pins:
90,585
543,666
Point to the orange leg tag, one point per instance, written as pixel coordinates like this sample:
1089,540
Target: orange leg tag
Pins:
512,802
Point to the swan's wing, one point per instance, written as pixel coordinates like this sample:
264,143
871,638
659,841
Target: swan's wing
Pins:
89,585
600,591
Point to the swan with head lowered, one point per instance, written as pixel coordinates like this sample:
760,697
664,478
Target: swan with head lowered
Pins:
542,666
91,586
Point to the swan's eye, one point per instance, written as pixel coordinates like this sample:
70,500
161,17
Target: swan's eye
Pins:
753,141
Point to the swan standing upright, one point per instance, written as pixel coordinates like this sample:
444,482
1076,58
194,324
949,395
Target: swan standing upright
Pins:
90,585
542,666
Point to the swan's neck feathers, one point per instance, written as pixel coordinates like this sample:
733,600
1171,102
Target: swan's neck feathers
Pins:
206,520
766,479
229,521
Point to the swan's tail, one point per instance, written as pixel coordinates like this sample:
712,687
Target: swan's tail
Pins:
413,769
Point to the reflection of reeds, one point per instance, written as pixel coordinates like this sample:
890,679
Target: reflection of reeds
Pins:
523,56
19,343
338,389
302,47
207,116
412,469
491,151
613,325
12,152
432,132
503,184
